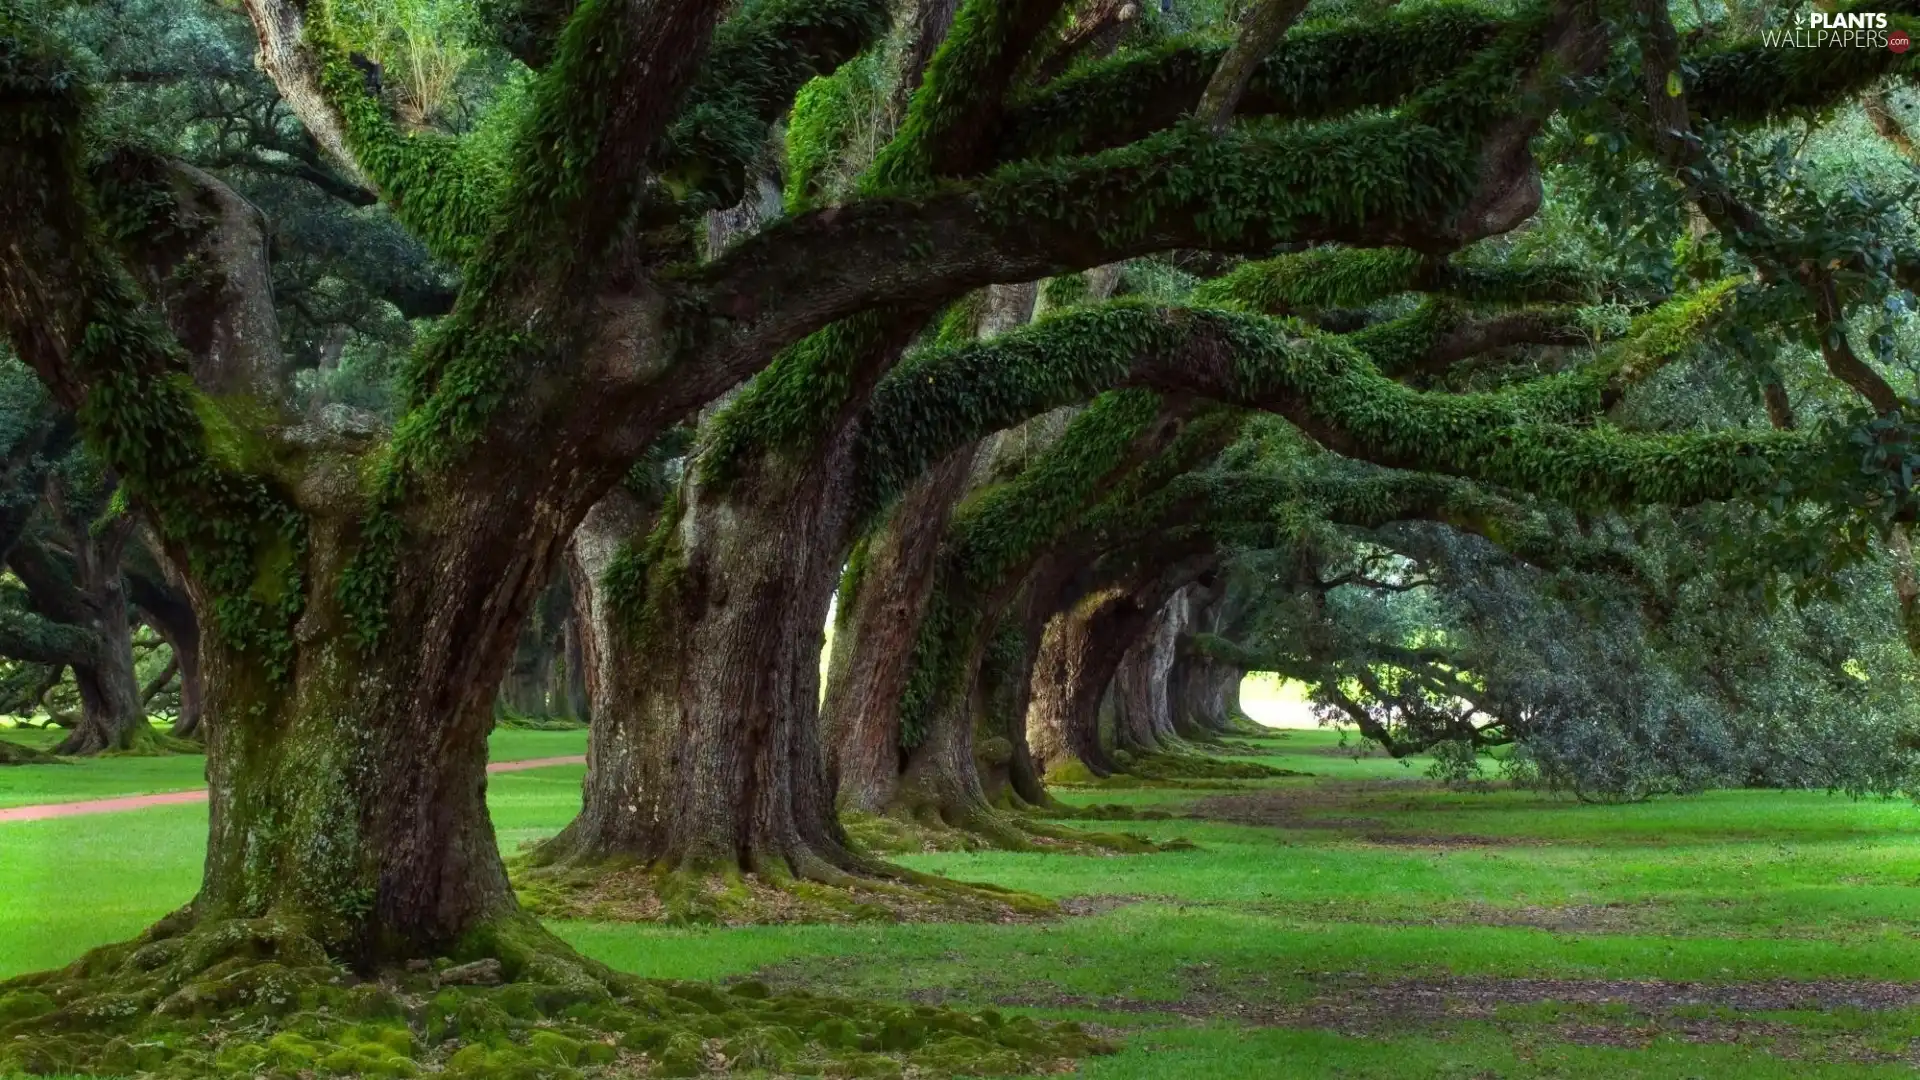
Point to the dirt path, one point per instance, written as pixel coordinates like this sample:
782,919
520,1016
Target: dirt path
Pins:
177,798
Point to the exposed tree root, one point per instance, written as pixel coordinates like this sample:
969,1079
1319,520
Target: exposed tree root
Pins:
1246,727
630,891
1167,770
145,741
1110,812
261,999
13,753
1012,829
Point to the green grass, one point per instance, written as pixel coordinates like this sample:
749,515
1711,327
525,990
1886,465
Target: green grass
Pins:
106,778
1365,878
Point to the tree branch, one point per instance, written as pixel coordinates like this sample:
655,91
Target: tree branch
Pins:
222,312
1743,226
1256,40
944,398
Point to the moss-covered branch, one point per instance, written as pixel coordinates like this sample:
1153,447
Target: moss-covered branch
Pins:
74,316
760,59
1274,507
1517,436
40,640
1449,168
1324,278
1438,335
1323,71
1751,82
1315,73
797,398
962,96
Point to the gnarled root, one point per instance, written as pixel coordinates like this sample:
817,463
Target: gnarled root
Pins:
632,891
998,829
261,998
13,753
1187,770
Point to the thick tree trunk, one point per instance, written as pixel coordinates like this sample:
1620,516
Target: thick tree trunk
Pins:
1082,652
874,637
193,710
1135,695
159,592
1004,763
879,626
1070,677
941,782
705,752
524,690
1205,694
576,687
1145,708
84,588
350,795
616,520
112,714
1024,771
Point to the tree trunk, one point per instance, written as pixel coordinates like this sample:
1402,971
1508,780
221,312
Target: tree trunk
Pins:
84,588
350,795
112,714
1080,655
524,690
1003,762
1144,723
576,688
1070,677
705,753
159,592
879,627
1205,694
876,627
616,520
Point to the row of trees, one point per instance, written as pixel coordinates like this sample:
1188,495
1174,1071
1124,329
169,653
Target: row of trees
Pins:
1066,353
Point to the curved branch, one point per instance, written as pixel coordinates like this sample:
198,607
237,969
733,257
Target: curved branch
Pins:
1322,384
1331,278
203,259
1438,336
39,640
1313,74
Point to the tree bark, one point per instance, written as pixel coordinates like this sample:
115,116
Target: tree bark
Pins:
576,658
351,796
1205,694
87,591
1069,678
879,621
1082,652
874,638
1263,30
113,715
1142,694
705,752
161,599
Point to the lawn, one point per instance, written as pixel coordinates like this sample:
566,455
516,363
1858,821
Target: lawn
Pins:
28,785
1356,923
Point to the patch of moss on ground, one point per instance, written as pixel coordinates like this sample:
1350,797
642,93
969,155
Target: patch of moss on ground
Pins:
1016,830
13,753
632,892
257,998
1190,770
